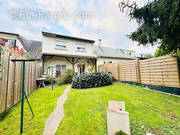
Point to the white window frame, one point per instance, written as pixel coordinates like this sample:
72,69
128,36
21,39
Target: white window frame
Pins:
81,47
60,44
61,68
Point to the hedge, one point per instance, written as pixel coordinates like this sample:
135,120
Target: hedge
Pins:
92,80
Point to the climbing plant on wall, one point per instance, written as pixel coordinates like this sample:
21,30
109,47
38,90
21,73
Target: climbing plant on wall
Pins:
6,47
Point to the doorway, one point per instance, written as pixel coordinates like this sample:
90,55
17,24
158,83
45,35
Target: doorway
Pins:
81,67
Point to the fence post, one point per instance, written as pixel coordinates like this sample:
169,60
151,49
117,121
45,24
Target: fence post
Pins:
118,66
138,71
178,69
106,67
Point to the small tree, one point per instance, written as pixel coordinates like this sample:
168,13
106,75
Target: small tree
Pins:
148,56
159,23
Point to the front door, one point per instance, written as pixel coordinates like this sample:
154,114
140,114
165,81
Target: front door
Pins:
58,70
82,68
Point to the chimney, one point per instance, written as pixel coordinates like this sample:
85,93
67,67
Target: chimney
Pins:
100,42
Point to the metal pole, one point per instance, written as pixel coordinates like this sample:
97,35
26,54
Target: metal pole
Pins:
22,91
22,97
52,79
29,104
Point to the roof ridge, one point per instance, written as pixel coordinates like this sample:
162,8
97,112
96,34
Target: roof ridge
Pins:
66,36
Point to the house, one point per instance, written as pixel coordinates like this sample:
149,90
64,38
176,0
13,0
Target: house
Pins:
143,56
31,48
60,52
130,52
107,55
12,38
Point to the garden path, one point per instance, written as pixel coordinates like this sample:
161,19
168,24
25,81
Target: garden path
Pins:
57,115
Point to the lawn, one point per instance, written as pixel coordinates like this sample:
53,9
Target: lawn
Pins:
43,102
85,111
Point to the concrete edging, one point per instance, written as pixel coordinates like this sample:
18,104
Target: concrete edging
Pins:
117,118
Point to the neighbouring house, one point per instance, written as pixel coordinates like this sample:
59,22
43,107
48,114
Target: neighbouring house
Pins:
60,52
130,52
12,38
107,55
32,48
142,56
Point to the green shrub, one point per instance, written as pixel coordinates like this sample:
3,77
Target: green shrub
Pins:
48,80
120,133
92,80
66,78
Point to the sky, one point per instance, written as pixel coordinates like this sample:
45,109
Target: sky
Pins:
91,19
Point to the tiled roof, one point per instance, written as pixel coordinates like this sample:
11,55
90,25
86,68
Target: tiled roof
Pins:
108,52
33,47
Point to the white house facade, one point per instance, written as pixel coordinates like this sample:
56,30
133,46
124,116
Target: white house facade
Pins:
60,53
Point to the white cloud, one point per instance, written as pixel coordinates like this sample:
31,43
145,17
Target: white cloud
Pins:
54,5
143,49
13,4
40,25
107,22
27,33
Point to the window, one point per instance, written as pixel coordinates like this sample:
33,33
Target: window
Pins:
11,42
99,49
60,70
60,44
81,48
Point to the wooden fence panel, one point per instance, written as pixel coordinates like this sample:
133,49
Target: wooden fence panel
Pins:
161,71
10,85
3,90
34,79
113,68
10,91
17,88
26,78
30,78
128,71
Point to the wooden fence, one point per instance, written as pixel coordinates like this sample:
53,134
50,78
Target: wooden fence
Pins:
10,84
161,71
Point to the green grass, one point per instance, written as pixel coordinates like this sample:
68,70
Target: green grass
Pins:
85,111
43,102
